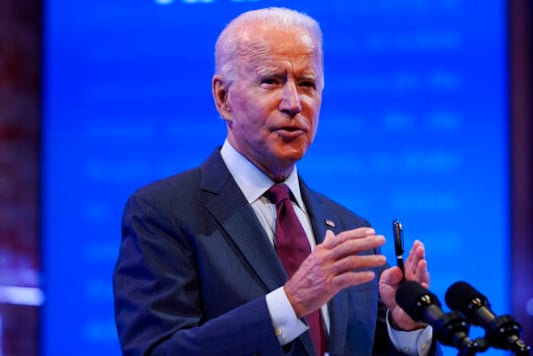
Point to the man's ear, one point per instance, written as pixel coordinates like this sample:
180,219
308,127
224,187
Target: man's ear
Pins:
220,95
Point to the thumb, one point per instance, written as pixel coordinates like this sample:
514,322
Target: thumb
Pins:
329,239
392,276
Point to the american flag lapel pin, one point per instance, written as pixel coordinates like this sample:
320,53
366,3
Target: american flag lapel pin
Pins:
329,223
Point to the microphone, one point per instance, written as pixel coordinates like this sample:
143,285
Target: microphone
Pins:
500,331
450,328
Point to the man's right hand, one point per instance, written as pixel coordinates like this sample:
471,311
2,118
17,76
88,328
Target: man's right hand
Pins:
333,265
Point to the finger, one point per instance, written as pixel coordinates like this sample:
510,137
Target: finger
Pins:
353,278
419,250
357,262
416,254
422,274
417,270
428,280
348,235
355,246
329,238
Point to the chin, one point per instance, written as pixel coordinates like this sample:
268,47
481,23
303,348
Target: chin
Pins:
291,157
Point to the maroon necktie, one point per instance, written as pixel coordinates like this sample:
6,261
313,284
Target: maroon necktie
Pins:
293,247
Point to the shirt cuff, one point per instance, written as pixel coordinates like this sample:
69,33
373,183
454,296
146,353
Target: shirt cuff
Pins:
416,342
286,325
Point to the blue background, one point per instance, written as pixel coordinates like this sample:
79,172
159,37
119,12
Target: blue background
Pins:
414,125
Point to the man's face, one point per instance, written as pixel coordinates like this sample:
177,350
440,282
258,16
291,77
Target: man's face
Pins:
274,100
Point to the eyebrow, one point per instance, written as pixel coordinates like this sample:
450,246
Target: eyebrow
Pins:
273,71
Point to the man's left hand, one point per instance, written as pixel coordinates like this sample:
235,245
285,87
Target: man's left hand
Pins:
415,270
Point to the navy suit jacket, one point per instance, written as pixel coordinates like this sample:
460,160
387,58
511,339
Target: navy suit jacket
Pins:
195,265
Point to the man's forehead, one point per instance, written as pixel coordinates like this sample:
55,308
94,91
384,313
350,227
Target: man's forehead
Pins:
265,48
266,34
261,49
265,52
268,61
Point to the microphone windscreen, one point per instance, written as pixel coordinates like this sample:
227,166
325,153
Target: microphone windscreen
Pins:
411,297
460,295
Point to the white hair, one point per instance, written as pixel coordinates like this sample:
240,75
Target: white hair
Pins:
230,42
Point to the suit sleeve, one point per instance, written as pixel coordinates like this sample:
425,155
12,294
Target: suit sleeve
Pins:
158,307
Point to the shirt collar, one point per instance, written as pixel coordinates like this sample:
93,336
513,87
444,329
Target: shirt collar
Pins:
251,180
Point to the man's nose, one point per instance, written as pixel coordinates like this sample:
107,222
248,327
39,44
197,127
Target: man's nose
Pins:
290,100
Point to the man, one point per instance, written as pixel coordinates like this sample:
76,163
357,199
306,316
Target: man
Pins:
198,271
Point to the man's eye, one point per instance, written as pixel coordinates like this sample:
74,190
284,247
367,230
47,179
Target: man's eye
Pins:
307,84
269,81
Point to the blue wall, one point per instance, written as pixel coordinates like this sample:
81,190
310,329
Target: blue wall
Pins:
414,125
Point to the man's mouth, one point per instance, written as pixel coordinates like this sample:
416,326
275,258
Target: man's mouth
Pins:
289,132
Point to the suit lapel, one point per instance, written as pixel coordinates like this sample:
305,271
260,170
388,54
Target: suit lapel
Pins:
321,220
229,207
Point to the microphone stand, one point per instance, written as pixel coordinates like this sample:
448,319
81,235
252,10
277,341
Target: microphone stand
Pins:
452,329
504,333
471,348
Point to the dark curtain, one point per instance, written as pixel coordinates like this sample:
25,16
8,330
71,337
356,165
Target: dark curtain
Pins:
521,139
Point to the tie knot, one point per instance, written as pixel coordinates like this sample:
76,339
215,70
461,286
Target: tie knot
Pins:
278,193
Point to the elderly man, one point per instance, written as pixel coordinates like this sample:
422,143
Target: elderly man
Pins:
239,256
